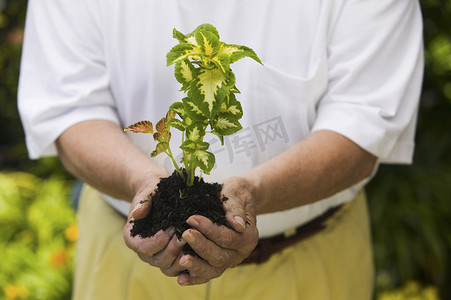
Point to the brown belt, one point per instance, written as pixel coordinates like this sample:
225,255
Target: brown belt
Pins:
268,246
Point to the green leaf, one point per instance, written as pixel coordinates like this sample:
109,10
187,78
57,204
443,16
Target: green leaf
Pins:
191,146
160,148
225,124
220,136
193,110
237,52
183,51
232,107
209,90
206,27
176,124
188,121
185,72
179,36
235,90
202,145
170,115
222,62
188,146
140,127
208,43
195,132
204,159
162,136
178,108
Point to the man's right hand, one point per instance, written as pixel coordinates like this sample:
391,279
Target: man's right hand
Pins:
162,250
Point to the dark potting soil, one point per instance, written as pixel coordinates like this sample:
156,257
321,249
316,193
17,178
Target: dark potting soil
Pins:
173,203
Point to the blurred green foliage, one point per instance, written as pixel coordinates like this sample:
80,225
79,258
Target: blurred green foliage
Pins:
37,237
412,290
11,31
410,206
13,153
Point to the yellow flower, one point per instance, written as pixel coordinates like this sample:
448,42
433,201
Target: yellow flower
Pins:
13,292
71,233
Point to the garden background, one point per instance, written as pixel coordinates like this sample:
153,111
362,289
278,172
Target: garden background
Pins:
410,206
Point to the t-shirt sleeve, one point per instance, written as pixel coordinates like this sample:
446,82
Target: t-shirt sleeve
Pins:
375,57
63,77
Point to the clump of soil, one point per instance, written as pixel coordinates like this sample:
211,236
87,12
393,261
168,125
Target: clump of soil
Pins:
173,203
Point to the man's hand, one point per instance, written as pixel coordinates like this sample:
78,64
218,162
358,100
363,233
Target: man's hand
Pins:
163,250
220,247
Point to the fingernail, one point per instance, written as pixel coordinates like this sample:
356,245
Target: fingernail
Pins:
240,221
193,222
171,232
181,242
182,281
137,207
189,237
185,262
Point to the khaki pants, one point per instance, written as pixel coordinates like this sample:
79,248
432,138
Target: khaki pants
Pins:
335,264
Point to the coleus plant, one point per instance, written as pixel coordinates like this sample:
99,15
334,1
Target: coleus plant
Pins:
202,66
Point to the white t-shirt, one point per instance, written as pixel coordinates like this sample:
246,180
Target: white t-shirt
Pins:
353,67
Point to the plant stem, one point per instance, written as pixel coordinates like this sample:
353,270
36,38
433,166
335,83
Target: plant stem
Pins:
169,153
190,171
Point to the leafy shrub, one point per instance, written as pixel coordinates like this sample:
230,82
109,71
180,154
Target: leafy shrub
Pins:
409,205
412,290
37,239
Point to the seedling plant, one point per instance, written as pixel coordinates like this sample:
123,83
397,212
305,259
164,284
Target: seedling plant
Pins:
202,67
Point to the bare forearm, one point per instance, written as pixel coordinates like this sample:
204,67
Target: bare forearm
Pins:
315,168
100,154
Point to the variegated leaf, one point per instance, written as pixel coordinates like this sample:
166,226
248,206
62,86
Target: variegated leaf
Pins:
222,62
191,146
204,159
237,52
179,36
195,132
160,148
162,136
140,127
170,115
176,124
161,127
201,145
193,110
178,108
225,124
232,107
188,121
156,136
192,41
220,136
188,146
183,51
208,42
209,90
206,27
235,90
185,72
